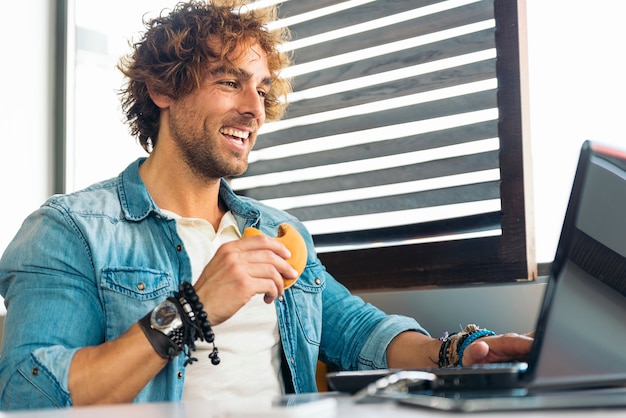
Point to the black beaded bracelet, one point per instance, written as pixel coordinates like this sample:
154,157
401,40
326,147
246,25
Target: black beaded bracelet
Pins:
446,340
196,322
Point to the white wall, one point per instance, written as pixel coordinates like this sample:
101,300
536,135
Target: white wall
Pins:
25,111
577,90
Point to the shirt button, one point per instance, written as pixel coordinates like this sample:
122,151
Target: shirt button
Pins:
318,281
293,360
35,371
179,375
179,248
280,298
141,286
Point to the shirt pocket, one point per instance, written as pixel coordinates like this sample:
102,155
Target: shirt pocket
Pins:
306,295
130,293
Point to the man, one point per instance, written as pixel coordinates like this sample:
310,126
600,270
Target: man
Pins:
84,274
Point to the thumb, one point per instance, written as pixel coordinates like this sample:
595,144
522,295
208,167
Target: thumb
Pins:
475,353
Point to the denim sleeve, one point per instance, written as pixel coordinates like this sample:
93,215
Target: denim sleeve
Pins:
355,334
47,281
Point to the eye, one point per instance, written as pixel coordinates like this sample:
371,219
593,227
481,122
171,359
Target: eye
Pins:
230,84
262,94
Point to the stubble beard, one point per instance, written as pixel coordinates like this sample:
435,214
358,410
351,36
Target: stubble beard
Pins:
202,155
205,160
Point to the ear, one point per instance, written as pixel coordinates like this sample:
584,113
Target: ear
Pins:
161,100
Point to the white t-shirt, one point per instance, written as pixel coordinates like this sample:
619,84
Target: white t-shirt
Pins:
248,342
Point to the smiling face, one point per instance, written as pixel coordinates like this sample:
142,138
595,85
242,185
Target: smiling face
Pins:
215,127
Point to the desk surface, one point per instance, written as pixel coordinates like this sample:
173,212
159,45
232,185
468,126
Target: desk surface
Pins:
344,408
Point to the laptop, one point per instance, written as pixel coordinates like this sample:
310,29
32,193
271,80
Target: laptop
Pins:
580,336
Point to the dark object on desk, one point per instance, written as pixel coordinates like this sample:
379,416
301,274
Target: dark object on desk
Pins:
479,377
584,305
352,382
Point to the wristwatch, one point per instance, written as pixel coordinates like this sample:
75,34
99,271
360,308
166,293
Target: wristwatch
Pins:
165,318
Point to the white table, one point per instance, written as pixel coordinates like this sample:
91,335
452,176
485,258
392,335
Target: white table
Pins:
345,408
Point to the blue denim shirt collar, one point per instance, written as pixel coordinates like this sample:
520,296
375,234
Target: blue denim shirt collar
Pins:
137,203
245,213
134,197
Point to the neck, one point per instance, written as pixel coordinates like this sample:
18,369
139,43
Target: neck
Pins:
175,188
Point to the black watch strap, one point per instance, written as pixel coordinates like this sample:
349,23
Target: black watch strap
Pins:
166,347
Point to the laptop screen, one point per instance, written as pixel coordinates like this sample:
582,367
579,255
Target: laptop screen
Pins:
581,332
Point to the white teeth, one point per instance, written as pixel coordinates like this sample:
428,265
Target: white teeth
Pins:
232,132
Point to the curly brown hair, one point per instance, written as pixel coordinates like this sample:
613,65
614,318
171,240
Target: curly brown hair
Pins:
174,51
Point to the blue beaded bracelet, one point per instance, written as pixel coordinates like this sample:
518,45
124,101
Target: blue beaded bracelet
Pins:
470,339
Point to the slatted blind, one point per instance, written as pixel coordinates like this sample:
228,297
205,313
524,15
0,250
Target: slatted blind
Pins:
392,136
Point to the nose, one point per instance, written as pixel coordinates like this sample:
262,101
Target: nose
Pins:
251,104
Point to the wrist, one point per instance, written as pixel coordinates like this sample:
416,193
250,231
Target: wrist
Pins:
164,329
453,346
174,325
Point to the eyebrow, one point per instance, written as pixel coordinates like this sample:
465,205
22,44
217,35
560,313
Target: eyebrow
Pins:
239,73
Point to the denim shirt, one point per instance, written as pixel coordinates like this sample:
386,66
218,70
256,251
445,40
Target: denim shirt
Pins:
86,266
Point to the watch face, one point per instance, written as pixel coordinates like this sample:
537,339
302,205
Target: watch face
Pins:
165,317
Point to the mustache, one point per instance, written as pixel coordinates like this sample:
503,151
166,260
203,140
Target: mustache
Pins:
242,121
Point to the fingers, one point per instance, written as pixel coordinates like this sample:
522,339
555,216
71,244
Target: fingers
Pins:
264,242
240,270
268,252
499,348
262,277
